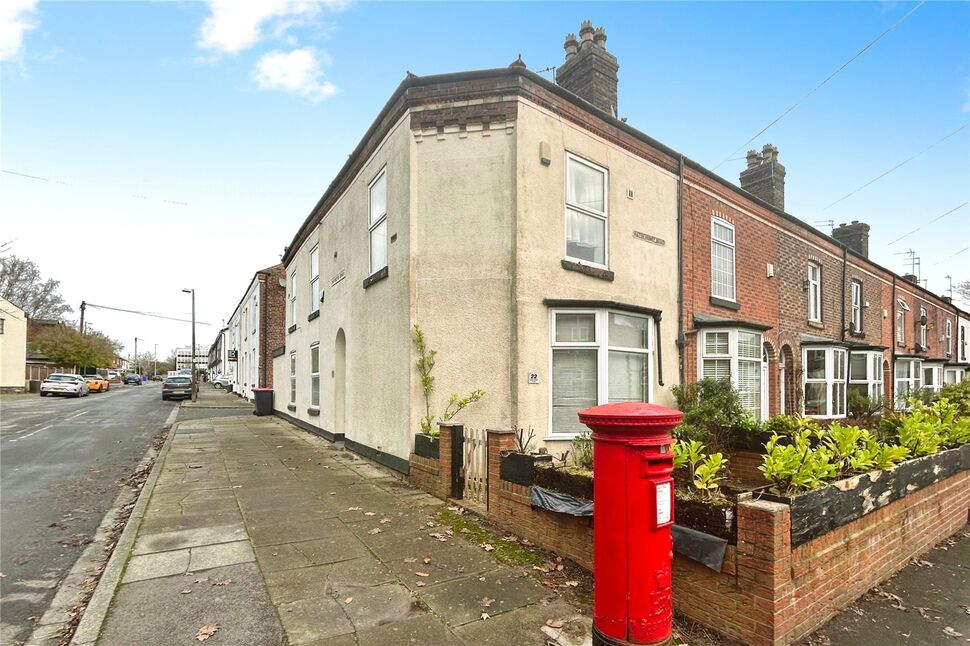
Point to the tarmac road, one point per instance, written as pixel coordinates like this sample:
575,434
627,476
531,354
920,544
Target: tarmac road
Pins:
60,463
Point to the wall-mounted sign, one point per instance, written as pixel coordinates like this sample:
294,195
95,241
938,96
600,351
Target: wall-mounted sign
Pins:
646,237
337,278
232,355
533,377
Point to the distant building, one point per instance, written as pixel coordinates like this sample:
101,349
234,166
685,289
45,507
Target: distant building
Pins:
13,347
183,358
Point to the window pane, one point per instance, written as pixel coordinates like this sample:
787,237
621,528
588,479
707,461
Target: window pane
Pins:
903,370
722,270
815,364
574,388
815,399
315,359
838,364
860,389
314,294
749,345
378,199
628,331
314,262
838,398
749,386
722,233
628,377
585,237
315,390
378,247
585,186
857,366
719,369
575,328
716,343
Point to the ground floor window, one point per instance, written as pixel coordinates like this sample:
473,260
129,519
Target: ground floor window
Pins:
293,378
932,377
597,356
865,374
908,379
953,375
824,381
315,375
736,356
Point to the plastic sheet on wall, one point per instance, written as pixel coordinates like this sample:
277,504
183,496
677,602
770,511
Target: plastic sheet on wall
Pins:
560,502
705,549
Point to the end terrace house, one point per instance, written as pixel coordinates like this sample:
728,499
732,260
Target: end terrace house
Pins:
254,329
530,233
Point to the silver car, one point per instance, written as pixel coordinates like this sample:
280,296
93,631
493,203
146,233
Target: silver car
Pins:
64,384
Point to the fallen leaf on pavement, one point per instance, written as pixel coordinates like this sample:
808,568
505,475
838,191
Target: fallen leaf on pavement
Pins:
222,583
510,538
948,631
385,520
370,513
410,559
422,574
485,616
421,584
486,602
922,563
202,580
896,602
376,530
430,524
427,559
441,537
206,632
186,591
487,547
554,623
348,599
333,493
354,508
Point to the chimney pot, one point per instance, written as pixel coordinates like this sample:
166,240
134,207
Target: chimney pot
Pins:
599,37
590,71
855,236
571,46
765,177
753,158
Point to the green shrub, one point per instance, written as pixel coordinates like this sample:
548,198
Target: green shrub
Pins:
709,473
582,450
704,471
920,430
791,424
712,413
957,394
795,466
864,409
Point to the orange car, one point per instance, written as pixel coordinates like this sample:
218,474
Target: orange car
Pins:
97,383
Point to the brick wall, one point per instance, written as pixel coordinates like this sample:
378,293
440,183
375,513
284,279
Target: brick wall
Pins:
272,321
744,467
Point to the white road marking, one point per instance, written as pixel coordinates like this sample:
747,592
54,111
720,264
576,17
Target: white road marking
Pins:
83,412
32,433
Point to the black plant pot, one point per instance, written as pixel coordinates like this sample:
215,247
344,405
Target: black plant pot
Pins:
580,486
716,520
520,467
427,446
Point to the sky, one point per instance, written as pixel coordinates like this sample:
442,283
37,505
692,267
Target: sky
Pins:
180,145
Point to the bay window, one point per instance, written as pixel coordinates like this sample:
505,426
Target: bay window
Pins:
824,381
953,375
586,211
908,374
597,356
735,356
722,260
814,281
865,374
933,376
377,222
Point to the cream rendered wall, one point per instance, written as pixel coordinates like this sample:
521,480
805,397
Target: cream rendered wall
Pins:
645,273
13,346
461,262
375,320
247,369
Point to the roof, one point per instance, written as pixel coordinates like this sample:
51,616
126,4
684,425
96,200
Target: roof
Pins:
709,320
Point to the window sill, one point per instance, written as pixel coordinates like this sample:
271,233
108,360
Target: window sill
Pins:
857,335
313,412
376,277
291,329
818,325
721,302
313,315
291,407
595,272
560,437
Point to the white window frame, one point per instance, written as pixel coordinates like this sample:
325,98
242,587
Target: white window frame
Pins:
922,329
373,225
936,382
734,356
315,278
814,292
291,310
953,375
948,335
245,315
255,312
586,210
315,376
872,380
293,378
901,310
602,347
856,290
732,247
835,380
914,381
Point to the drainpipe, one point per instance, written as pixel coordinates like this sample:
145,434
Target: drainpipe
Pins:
892,345
681,335
844,260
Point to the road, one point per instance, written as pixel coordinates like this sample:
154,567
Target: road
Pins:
60,463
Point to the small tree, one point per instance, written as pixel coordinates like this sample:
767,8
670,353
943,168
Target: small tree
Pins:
425,364
21,283
67,346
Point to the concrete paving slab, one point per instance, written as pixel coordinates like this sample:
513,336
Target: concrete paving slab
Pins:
156,612
377,605
318,552
293,530
390,545
286,586
523,626
189,538
153,566
447,563
459,602
421,629
222,554
314,619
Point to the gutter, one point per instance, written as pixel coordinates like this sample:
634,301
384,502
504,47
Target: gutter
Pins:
681,335
892,354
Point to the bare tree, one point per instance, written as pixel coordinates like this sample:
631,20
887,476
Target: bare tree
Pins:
962,290
22,284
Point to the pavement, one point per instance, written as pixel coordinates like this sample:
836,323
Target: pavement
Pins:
257,532
63,460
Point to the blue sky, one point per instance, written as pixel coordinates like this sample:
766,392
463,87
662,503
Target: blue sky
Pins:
190,139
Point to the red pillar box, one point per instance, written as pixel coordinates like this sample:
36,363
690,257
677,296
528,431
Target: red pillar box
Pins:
633,502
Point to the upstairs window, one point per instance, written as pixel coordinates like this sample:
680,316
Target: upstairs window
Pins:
922,328
948,335
814,281
901,321
736,356
2,321
856,306
586,211
825,369
722,260
255,311
315,279
377,222
291,311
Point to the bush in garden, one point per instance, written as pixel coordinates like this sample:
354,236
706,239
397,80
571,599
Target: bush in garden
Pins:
957,394
712,413
704,471
864,409
795,466
791,424
582,450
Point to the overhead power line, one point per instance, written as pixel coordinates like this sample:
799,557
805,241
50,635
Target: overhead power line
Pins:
822,84
151,314
953,255
57,181
902,163
936,219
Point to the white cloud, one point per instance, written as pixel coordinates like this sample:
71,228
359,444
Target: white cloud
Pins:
235,25
16,18
299,72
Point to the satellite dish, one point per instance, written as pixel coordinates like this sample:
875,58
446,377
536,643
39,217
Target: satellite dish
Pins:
282,281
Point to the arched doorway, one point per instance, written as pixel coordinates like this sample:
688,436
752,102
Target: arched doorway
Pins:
786,378
339,381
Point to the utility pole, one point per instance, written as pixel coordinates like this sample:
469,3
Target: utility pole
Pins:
136,356
83,305
195,385
155,356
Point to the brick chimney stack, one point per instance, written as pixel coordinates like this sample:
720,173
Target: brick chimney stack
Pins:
765,177
855,236
590,71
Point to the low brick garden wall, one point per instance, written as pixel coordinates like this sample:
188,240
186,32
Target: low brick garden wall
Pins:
767,593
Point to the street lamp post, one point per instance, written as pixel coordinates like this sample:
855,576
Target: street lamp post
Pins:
195,386
155,357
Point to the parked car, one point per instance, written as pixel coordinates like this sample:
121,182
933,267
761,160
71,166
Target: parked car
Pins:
221,381
132,378
64,384
97,383
176,387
